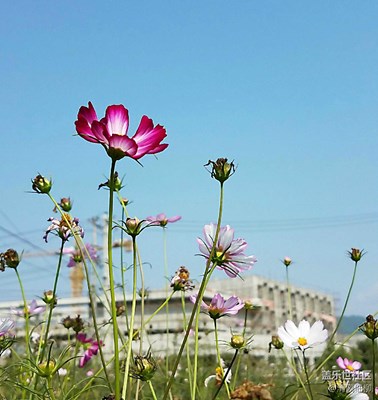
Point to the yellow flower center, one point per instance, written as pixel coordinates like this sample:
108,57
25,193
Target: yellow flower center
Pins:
302,341
350,368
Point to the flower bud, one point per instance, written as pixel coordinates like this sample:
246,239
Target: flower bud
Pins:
356,254
49,298
276,342
11,258
47,368
65,204
41,185
221,170
237,341
248,305
68,322
287,261
116,186
144,367
370,327
133,226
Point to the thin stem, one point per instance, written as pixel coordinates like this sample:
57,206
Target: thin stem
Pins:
219,356
26,313
111,283
54,296
208,271
132,319
85,253
306,373
226,374
189,364
294,369
152,390
346,303
239,358
373,350
288,293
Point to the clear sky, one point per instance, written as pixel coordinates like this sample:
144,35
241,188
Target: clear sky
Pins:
289,90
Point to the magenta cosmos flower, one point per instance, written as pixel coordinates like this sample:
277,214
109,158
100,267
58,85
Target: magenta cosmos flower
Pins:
349,365
163,220
91,347
111,132
229,252
220,307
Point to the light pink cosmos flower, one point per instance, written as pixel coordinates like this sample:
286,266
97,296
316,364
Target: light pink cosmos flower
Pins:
304,336
32,309
77,255
229,252
63,229
6,324
111,132
162,219
350,365
91,348
220,307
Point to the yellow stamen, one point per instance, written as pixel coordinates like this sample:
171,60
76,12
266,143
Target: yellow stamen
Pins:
350,368
302,341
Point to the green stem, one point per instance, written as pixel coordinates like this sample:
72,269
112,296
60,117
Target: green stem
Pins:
294,369
132,319
26,314
219,355
239,358
152,390
111,283
51,305
208,271
306,373
288,293
346,303
50,388
373,350
226,374
189,364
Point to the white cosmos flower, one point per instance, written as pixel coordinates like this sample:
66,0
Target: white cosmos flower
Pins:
303,336
219,374
357,394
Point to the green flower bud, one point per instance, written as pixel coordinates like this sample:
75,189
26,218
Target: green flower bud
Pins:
46,368
144,367
237,341
221,170
356,254
276,342
41,185
370,327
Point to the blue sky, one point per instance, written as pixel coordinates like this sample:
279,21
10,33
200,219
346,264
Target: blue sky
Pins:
288,90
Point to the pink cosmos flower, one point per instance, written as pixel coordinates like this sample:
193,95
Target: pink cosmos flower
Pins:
31,310
77,255
111,132
91,348
162,219
350,365
229,252
219,307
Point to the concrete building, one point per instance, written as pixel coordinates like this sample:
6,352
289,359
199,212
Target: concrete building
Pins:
164,332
